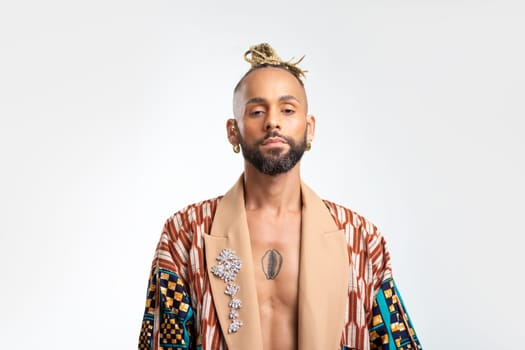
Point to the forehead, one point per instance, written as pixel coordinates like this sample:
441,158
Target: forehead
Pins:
271,83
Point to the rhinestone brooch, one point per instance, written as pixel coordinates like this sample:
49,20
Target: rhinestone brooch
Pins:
227,268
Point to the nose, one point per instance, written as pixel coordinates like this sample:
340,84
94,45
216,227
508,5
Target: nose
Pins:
273,121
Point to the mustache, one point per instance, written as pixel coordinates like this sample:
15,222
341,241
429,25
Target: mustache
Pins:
274,134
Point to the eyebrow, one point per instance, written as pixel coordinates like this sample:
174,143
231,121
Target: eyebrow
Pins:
284,98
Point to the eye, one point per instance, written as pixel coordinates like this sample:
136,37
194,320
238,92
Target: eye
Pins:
288,111
257,112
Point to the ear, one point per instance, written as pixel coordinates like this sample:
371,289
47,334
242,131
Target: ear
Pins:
310,125
232,131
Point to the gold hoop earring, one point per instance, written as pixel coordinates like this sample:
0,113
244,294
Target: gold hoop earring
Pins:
236,148
308,145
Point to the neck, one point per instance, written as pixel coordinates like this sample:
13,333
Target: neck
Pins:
278,194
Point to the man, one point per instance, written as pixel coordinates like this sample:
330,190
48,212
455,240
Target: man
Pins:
270,265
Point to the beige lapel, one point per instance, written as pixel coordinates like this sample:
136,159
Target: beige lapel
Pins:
230,230
323,276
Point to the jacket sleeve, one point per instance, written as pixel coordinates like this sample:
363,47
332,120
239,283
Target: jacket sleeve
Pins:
390,327
168,316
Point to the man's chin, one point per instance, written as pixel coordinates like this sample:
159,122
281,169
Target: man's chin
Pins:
274,153
274,158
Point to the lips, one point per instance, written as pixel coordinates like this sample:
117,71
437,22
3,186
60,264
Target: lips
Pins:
273,140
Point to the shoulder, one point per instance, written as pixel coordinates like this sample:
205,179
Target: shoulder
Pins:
192,216
363,237
182,231
360,232
345,218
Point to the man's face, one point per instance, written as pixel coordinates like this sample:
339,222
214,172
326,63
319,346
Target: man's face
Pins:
271,112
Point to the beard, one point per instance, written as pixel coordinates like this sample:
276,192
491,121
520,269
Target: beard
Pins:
276,162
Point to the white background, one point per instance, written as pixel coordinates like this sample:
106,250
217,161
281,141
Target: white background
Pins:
113,117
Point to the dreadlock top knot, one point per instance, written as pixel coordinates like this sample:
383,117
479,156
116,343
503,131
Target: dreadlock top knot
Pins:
263,55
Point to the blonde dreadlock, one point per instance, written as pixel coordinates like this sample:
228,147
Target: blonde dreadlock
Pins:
263,55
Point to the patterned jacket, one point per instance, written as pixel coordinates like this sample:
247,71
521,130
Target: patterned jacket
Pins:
347,297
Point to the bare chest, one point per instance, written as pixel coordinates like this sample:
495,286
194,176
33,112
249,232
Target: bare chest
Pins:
275,251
